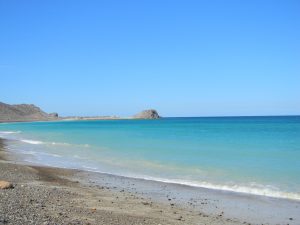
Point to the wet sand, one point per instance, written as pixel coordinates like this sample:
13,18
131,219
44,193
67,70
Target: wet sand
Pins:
44,195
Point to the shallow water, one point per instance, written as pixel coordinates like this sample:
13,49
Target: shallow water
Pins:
259,155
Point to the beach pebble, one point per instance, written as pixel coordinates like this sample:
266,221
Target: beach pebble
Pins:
180,218
5,184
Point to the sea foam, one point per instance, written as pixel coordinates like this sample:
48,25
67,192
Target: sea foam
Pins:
33,142
9,132
261,191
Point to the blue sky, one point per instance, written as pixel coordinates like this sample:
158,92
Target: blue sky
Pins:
183,58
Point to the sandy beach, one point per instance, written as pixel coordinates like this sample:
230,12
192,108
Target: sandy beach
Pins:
150,112
44,195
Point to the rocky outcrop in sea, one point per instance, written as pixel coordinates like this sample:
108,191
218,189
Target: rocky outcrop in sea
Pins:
147,114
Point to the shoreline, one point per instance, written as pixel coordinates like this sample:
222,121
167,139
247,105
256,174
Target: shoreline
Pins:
179,202
236,189
67,196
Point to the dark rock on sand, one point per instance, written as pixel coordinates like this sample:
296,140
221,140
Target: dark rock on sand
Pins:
147,114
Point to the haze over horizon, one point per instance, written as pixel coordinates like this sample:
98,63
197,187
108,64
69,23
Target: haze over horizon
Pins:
194,58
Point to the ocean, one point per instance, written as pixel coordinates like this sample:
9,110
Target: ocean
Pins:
256,155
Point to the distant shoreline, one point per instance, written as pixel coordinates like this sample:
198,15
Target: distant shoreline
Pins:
31,113
87,118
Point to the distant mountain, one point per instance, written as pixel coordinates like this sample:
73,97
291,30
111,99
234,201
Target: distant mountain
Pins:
23,112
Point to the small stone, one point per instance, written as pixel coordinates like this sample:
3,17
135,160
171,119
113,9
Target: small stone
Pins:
180,218
5,185
4,221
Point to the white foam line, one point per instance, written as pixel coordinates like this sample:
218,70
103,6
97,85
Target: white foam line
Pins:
267,192
33,142
10,132
234,188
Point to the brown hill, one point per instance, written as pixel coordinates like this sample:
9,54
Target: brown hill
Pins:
23,112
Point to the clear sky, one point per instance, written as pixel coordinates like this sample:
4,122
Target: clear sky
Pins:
183,58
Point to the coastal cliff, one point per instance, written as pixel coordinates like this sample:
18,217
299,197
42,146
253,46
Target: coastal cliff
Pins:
23,112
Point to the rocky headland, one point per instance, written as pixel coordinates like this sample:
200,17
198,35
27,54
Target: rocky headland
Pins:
24,112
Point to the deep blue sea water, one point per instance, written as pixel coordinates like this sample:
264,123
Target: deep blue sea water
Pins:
258,155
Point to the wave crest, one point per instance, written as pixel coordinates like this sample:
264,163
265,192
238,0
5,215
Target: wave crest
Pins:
33,142
252,189
10,132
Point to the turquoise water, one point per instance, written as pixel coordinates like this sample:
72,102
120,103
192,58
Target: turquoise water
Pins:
259,155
